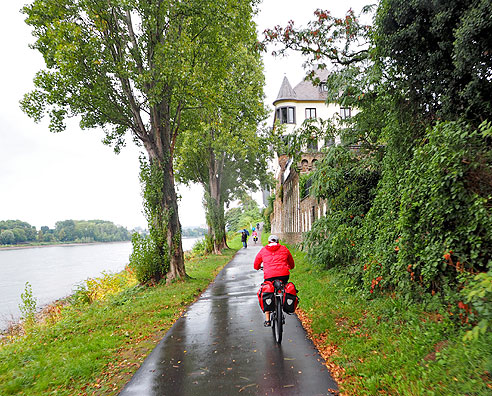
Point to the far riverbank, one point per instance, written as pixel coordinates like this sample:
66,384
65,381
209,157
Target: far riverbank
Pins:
42,245
30,246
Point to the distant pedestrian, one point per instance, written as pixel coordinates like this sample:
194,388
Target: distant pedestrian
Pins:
244,238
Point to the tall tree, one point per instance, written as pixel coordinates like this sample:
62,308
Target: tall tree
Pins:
132,66
442,53
228,157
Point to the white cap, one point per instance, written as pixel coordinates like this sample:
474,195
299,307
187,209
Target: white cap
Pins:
273,238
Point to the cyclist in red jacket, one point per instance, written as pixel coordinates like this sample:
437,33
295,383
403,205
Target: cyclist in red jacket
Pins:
277,262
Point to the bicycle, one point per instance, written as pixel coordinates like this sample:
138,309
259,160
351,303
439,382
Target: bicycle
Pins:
277,317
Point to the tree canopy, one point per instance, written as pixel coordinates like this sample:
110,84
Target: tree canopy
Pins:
222,148
134,67
442,52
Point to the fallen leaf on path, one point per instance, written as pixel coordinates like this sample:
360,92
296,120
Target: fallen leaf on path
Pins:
247,386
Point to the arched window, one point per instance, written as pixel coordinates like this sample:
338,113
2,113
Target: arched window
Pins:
304,165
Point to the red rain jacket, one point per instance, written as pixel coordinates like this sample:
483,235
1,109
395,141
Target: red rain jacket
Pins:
277,261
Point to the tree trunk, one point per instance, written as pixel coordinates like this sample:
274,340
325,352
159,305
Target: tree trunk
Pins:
176,256
159,149
216,222
215,205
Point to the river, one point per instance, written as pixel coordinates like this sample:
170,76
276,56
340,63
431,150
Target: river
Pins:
53,271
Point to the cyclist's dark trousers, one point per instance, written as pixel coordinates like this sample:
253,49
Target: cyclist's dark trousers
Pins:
284,278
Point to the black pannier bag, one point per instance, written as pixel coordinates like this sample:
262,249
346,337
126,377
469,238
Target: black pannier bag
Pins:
290,298
266,296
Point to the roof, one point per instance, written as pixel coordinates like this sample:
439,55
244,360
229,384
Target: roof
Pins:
286,91
304,91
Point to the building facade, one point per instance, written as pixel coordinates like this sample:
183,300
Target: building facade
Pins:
294,211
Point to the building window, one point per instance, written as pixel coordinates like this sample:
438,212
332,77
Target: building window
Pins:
345,112
286,115
329,142
312,144
310,114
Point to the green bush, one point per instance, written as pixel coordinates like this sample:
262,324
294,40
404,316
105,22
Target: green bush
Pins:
201,246
100,288
479,295
244,216
28,307
146,260
267,212
347,181
303,181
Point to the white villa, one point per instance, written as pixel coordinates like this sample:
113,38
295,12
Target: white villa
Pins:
294,214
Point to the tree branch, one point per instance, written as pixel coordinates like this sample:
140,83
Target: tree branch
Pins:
138,57
116,47
175,127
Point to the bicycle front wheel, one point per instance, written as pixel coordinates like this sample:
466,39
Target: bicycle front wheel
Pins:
277,323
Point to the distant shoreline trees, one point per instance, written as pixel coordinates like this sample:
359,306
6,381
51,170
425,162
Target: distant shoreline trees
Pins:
16,232
193,232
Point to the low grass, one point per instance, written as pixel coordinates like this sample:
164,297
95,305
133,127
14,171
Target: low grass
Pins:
374,346
95,348
383,345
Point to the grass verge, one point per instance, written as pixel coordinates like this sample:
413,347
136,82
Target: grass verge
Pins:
385,346
95,348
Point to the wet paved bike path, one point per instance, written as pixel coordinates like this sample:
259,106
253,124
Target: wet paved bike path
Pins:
220,347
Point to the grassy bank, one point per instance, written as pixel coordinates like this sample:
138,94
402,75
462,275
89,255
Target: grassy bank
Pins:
95,348
386,346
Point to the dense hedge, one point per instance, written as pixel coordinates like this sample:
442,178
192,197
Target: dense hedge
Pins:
445,217
418,224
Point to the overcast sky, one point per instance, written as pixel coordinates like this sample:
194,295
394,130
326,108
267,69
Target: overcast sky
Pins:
46,177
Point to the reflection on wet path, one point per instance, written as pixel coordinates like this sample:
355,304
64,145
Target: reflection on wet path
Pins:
220,346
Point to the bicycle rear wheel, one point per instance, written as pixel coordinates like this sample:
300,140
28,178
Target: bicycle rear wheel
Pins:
277,320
